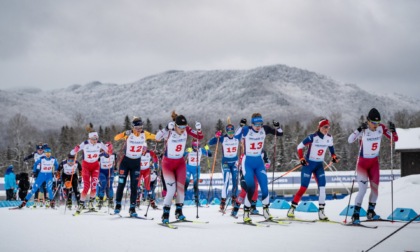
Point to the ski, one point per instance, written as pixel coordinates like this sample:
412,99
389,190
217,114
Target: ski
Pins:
383,220
330,221
189,221
358,225
168,225
254,224
295,219
139,217
87,212
276,222
15,208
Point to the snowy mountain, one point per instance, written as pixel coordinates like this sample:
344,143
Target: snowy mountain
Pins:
278,92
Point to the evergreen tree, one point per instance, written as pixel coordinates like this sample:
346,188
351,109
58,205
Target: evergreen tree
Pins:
148,126
127,123
220,125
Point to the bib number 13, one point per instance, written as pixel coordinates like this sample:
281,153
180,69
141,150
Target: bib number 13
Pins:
256,146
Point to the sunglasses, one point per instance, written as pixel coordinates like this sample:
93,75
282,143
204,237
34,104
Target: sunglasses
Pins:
326,127
94,139
231,132
375,122
181,126
70,160
257,124
138,127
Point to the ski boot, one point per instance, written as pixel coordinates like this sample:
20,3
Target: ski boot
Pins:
246,217
266,212
35,203
222,205
69,204
371,215
153,204
291,212
52,204
132,211
111,203
90,205
80,207
233,201
165,215
100,202
355,218
235,209
22,204
47,204
321,213
117,209
254,210
178,212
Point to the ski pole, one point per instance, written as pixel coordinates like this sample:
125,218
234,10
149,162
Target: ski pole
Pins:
147,210
198,178
289,171
212,170
392,180
392,233
274,163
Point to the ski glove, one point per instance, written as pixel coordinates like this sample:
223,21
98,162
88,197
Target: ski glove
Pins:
197,125
77,148
128,132
170,126
267,166
362,126
303,162
243,122
392,127
218,134
276,124
334,158
206,147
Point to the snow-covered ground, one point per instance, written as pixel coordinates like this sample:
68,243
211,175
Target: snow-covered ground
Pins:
52,230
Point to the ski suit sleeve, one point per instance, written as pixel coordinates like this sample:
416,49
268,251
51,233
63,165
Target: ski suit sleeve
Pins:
29,157
194,133
354,136
162,134
307,141
388,133
149,136
213,141
206,152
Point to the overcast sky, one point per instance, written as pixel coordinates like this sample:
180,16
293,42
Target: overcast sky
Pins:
54,44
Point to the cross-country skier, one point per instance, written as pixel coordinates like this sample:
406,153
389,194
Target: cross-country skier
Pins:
369,135
173,163
240,199
70,170
193,155
36,156
90,167
229,164
312,163
106,178
148,162
45,168
134,139
252,164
